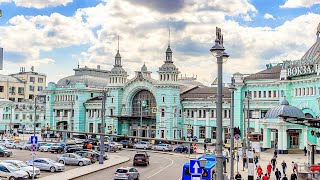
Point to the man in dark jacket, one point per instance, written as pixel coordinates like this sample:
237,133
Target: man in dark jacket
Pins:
238,176
293,176
278,174
284,177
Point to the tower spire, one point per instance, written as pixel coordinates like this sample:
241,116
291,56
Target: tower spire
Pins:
118,43
117,60
169,37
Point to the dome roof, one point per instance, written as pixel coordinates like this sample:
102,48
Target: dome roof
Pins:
144,68
168,67
117,70
313,52
90,81
284,109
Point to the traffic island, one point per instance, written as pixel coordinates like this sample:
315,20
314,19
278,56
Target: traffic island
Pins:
85,170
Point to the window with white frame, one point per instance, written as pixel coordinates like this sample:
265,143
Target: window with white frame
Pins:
162,112
204,113
212,113
202,132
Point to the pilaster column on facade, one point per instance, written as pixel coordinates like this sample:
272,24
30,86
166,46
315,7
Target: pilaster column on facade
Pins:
285,139
256,125
208,134
266,140
280,139
195,133
305,138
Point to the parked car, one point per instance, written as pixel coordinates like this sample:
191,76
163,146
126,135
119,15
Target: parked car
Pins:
72,148
126,144
46,147
126,173
24,167
11,172
79,138
38,145
5,152
142,145
118,145
163,147
141,158
4,142
92,141
87,154
23,145
47,164
11,144
74,159
58,148
183,149
96,153
109,148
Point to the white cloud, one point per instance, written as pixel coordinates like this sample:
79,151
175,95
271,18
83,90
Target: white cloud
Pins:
39,4
268,16
299,3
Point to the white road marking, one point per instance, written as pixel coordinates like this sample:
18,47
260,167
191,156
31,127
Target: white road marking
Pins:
162,169
180,178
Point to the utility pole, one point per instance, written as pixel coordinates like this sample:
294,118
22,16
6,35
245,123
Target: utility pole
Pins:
34,130
140,133
232,89
218,52
248,117
104,95
244,137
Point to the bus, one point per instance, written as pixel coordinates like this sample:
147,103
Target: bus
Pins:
208,172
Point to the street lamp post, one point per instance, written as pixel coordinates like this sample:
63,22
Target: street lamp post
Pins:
232,89
104,95
244,138
218,51
248,118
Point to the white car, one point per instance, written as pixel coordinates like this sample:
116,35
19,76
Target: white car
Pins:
4,142
11,172
24,145
24,167
46,147
118,145
47,164
142,145
11,144
163,147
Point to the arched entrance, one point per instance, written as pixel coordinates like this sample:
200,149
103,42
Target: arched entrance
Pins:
142,118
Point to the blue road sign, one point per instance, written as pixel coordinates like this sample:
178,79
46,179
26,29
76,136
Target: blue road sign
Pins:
196,177
195,139
195,167
34,139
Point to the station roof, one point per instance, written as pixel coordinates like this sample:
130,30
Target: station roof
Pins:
269,73
204,92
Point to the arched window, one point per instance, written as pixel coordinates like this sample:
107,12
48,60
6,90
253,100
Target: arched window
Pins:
143,95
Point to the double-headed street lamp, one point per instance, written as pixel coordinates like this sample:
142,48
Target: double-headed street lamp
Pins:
218,51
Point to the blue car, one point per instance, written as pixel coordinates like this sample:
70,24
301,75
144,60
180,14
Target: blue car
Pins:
183,149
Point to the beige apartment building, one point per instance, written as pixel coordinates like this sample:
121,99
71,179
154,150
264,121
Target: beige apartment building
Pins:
34,83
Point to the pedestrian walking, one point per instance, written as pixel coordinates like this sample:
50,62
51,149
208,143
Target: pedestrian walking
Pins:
284,177
265,177
293,176
278,174
244,162
275,153
294,167
259,171
284,167
269,169
273,162
256,160
305,151
238,176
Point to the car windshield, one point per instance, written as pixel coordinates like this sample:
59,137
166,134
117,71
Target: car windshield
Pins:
122,170
3,148
48,145
139,155
22,164
12,168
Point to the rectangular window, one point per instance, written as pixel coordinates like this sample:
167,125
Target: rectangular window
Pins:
245,94
175,113
112,100
20,90
31,79
275,94
17,116
260,94
180,113
40,88
202,132
163,99
37,117
12,90
269,94
30,117
199,113
1,88
91,127
254,94
23,116
192,114
174,99
213,133
264,94
204,113
99,128
12,99
212,113
225,114
111,112
40,80
162,113
188,113
92,95
31,88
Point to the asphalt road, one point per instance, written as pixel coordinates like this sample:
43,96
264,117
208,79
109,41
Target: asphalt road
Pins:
162,167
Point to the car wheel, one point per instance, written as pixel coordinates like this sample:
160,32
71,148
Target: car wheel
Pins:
11,178
52,169
144,148
80,163
61,162
59,151
163,150
14,147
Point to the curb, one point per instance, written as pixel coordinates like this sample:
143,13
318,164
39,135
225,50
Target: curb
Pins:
163,152
100,169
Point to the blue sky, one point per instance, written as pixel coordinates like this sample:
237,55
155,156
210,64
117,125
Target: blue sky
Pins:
54,36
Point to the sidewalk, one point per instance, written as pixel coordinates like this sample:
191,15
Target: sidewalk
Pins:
81,171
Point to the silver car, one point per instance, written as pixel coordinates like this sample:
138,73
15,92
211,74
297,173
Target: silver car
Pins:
126,173
9,171
24,167
47,164
163,147
142,145
74,159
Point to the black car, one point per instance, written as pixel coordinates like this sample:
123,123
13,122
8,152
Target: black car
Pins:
92,141
72,148
4,152
126,144
58,148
